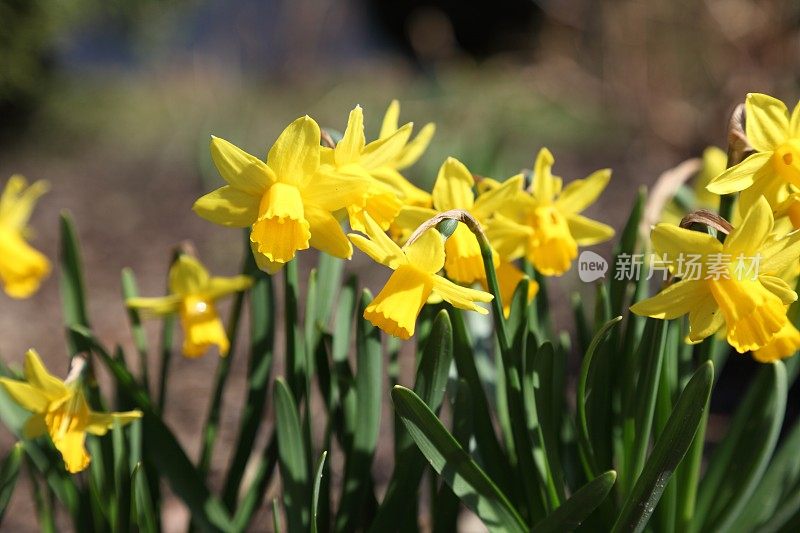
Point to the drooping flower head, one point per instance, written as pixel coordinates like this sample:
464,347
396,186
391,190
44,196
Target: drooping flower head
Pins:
22,268
193,293
544,224
286,200
773,171
414,280
59,409
733,286
454,190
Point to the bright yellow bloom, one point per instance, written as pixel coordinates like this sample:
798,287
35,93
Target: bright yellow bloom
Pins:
60,410
783,344
545,225
407,156
774,170
288,201
192,295
737,285
454,190
395,308
22,268
508,277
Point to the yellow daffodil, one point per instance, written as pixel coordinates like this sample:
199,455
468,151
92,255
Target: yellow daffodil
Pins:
735,285
508,277
783,344
773,171
414,280
389,173
454,190
545,225
192,295
59,409
22,268
287,201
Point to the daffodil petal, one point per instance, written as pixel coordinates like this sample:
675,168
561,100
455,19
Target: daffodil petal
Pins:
794,122
352,144
453,187
407,191
461,297
383,151
100,423
784,343
779,288
410,217
674,300
25,395
229,207
331,190
390,119
543,186
509,238
766,183
241,170
580,194
427,252
187,276
218,286
748,238
767,121
18,200
779,255
463,258
264,263
327,234
37,375
705,319
673,241
379,246
416,147
586,231
739,177
496,199
295,155
22,268
157,306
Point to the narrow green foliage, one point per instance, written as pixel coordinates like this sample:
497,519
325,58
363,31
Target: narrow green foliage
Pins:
291,458
670,448
453,463
318,472
577,508
9,473
131,290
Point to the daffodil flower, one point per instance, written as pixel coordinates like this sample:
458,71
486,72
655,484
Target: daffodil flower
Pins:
773,171
354,158
389,173
193,293
544,225
22,268
745,297
414,280
59,409
454,190
286,200
783,344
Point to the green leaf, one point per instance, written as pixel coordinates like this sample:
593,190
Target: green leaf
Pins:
276,516
651,355
315,493
430,384
626,246
739,462
569,515
163,449
669,450
130,290
329,281
454,464
144,512
9,473
492,456
368,381
291,457
73,292
122,478
259,369
584,442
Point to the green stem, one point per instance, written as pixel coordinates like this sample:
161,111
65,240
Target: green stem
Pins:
294,354
167,332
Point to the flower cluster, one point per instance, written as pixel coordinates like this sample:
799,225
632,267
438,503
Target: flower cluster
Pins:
297,197
751,311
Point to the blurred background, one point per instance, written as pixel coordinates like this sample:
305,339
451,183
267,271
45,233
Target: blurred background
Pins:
114,103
